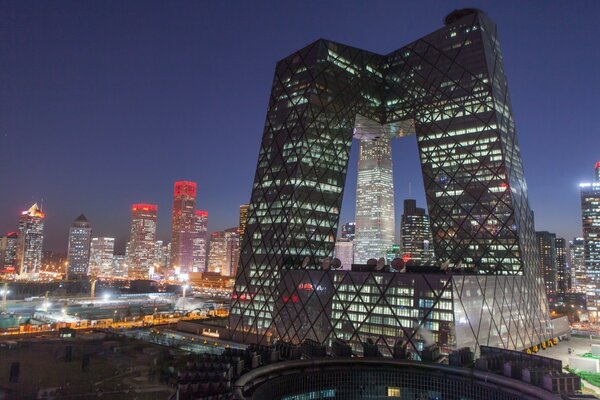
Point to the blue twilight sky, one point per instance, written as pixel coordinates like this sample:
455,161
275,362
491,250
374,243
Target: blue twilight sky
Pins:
107,103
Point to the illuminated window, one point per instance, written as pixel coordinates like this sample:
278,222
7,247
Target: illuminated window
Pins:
393,391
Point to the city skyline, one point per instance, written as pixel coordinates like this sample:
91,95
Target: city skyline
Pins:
61,114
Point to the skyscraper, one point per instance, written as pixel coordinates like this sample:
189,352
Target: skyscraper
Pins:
590,214
200,241
102,252
30,240
449,89
344,250
563,276
141,250
184,225
547,249
78,252
120,269
577,263
375,222
8,252
224,251
243,218
417,244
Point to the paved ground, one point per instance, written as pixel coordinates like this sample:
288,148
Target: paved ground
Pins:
578,346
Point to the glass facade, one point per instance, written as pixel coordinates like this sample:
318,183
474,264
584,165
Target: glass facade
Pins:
563,273
30,241
577,263
141,249
590,214
417,244
449,88
375,222
78,252
183,228
546,242
102,251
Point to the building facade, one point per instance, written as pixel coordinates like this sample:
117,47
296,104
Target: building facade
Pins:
344,251
30,241
8,252
78,251
447,87
224,252
184,226
102,252
243,218
375,222
563,273
417,244
577,264
546,242
200,241
590,215
141,249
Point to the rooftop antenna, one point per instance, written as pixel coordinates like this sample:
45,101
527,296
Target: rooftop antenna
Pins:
42,204
409,190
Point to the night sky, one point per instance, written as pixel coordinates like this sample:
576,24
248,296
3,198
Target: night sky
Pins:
107,103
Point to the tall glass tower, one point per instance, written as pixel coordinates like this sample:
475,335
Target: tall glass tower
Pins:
78,252
590,214
417,244
30,240
375,223
141,249
184,224
449,89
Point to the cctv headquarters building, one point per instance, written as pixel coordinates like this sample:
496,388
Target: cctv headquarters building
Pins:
449,89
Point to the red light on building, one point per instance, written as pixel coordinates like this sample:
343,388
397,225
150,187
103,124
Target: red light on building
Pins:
406,257
597,165
144,207
504,185
185,188
295,298
201,213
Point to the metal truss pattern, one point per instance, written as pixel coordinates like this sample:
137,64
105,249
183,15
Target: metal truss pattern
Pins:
451,86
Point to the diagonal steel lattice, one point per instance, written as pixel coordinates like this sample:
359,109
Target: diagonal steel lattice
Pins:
451,86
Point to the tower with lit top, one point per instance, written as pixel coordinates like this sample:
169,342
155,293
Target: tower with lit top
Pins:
30,241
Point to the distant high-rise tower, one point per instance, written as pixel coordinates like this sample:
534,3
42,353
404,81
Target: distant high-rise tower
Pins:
344,250
563,277
200,241
224,251
375,223
577,263
120,268
8,252
184,224
590,214
417,244
30,241
141,251
78,253
349,231
546,242
102,256
243,218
